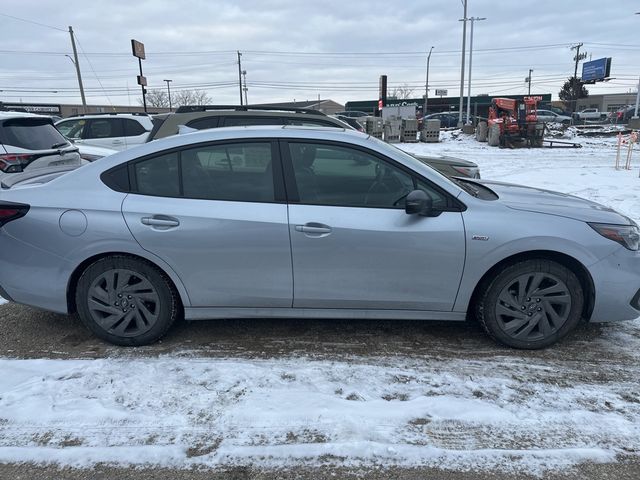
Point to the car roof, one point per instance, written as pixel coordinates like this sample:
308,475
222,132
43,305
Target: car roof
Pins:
7,115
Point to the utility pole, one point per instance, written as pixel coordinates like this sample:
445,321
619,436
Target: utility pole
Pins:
473,20
244,76
576,84
528,80
240,75
464,46
169,92
77,64
426,85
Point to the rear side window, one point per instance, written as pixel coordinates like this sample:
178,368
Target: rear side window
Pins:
158,176
104,128
306,122
31,134
132,128
203,123
246,121
237,172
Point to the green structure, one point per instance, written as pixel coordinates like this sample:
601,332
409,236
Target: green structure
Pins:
479,104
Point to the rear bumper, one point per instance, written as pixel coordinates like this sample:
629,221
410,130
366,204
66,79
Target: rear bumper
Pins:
617,287
32,276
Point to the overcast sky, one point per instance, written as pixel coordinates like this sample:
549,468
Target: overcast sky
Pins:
295,49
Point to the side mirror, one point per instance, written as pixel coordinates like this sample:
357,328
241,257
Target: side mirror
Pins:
419,203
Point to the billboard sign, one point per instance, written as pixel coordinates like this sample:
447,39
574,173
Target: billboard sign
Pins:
137,48
441,92
596,70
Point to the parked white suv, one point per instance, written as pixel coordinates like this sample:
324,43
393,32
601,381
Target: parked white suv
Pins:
118,131
29,141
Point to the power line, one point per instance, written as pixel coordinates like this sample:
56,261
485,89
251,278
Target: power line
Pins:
34,23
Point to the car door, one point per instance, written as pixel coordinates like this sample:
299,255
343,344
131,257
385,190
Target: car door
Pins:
353,245
104,132
215,215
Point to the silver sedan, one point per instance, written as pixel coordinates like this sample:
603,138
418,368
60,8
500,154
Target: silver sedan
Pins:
302,222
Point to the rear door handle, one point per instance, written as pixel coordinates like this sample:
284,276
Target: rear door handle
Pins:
161,221
314,229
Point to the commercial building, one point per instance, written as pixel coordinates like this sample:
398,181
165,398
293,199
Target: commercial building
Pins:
69,110
608,102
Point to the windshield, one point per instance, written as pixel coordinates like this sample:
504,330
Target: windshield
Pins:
31,134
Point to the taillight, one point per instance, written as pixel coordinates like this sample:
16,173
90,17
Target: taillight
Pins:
12,211
14,162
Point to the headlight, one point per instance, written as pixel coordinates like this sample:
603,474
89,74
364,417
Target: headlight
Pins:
626,235
471,172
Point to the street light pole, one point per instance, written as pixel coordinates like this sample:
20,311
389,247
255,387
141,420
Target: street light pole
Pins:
635,112
473,20
464,46
426,85
529,80
169,92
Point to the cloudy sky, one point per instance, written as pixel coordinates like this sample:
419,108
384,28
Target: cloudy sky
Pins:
299,49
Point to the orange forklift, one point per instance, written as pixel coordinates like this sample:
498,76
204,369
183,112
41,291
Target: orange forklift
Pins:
516,123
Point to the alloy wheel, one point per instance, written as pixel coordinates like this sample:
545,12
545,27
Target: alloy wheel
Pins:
123,303
533,306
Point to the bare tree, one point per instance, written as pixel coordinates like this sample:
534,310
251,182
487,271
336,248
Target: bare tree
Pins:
403,92
156,98
159,98
191,97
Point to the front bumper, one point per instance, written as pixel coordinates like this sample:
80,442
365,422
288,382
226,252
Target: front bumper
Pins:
616,280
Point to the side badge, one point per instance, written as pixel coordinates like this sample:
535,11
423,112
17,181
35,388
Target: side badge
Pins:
484,238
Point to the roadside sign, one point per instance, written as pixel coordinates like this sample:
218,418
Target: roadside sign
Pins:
142,80
596,70
137,48
441,92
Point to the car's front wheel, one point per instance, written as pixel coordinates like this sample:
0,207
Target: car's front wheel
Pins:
531,304
126,301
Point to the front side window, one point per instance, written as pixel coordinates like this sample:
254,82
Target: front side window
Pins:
71,128
343,176
236,172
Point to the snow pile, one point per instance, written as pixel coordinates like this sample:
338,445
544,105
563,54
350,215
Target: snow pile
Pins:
587,172
181,412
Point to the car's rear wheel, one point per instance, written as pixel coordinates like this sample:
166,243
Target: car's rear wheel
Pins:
531,304
126,301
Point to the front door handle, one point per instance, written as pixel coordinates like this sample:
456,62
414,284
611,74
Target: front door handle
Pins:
314,229
161,221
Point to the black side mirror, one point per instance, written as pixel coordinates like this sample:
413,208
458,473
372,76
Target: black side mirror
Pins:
418,202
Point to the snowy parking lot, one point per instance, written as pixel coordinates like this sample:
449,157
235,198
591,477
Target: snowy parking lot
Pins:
355,395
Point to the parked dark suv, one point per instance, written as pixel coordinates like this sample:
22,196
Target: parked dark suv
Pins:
200,117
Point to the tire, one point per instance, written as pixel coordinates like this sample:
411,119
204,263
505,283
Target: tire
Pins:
530,304
126,301
493,135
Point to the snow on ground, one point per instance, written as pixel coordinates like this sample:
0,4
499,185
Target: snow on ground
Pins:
587,172
508,412
452,414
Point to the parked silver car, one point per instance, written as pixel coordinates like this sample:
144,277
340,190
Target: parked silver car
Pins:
303,222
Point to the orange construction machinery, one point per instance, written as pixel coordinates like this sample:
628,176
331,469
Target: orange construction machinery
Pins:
514,123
